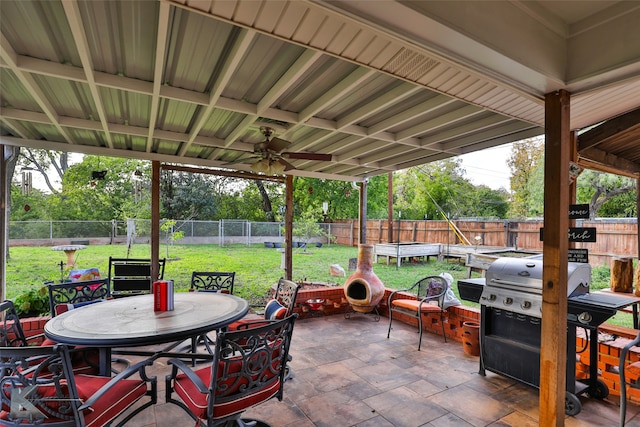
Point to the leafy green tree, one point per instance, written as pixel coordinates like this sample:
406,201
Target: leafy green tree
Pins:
433,190
490,203
28,207
187,195
310,193
85,196
525,157
246,200
306,227
535,192
608,195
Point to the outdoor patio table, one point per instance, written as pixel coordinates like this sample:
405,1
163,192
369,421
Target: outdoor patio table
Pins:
132,322
70,250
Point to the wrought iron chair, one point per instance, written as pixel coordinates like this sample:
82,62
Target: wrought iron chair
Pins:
278,307
11,332
69,295
428,296
12,335
248,368
210,281
132,276
213,281
40,387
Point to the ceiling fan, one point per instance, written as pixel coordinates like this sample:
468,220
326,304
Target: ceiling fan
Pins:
271,154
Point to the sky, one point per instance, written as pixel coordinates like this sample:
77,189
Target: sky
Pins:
488,167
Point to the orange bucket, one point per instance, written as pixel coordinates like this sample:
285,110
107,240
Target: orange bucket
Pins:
471,338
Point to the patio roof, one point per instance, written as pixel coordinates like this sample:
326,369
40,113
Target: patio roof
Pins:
379,86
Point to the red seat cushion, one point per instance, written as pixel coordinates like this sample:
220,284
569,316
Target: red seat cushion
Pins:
411,304
119,398
227,401
111,405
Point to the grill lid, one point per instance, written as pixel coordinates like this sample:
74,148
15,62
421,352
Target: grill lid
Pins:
525,275
515,284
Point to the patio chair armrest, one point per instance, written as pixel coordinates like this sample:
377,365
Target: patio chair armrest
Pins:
126,373
393,294
179,365
253,324
39,337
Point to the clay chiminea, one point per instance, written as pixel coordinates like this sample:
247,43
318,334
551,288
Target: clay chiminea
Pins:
363,288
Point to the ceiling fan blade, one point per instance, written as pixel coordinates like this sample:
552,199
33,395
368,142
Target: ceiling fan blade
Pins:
287,165
277,144
309,156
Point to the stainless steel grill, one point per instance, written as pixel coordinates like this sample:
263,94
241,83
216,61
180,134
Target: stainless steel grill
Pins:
515,284
511,316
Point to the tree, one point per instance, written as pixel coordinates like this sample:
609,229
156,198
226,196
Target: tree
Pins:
525,156
535,192
186,195
84,197
491,203
342,198
305,228
44,161
247,201
433,190
28,207
266,201
608,195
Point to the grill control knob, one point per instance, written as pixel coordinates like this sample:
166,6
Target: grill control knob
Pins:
492,297
585,317
508,301
526,304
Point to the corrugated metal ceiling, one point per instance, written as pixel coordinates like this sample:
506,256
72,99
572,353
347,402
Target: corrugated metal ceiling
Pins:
192,82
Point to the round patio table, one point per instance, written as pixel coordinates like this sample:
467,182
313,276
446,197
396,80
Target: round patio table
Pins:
132,322
70,250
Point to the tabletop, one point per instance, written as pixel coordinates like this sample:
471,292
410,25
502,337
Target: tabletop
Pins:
131,321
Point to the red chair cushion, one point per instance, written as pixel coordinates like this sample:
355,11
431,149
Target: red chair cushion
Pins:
411,304
111,405
224,406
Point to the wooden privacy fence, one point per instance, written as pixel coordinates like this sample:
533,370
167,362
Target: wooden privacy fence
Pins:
614,238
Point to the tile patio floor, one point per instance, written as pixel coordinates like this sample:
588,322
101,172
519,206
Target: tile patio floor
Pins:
347,373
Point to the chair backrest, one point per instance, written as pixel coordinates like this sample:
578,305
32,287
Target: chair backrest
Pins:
11,333
217,281
132,276
63,296
249,367
47,375
286,294
432,287
283,302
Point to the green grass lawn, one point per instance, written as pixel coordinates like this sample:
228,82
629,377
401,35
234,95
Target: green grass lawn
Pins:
256,267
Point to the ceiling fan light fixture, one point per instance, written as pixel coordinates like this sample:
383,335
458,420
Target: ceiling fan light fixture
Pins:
260,166
277,168
268,167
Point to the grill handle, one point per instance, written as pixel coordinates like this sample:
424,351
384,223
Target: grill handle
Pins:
508,284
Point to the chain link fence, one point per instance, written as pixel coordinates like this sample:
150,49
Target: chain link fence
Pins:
139,231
